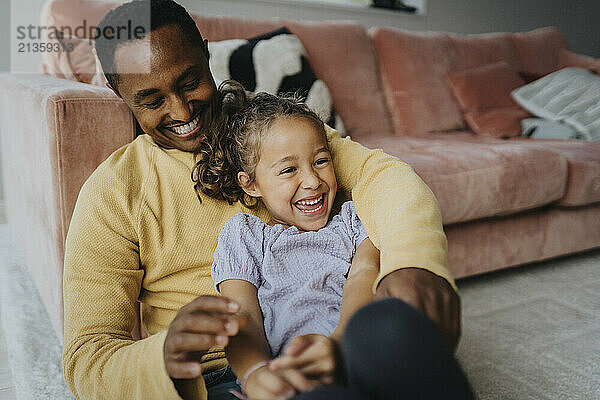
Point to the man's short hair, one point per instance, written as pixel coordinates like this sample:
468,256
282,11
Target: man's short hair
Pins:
162,12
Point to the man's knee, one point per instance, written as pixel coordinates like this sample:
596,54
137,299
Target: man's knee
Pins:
390,323
390,341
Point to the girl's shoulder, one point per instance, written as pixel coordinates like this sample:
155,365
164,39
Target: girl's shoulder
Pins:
242,233
246,227
347,224
245,222
347,213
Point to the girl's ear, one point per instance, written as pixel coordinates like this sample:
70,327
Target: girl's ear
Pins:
249,187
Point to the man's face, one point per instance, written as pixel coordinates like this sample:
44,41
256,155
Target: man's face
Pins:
172,92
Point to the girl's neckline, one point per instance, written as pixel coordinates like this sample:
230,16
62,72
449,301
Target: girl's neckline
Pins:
294,227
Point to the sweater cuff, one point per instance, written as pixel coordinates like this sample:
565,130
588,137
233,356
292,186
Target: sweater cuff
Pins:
441,272
190,388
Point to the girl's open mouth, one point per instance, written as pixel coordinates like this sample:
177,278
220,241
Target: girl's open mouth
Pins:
312,206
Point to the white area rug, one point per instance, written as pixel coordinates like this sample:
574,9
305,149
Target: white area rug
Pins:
529,333
34,351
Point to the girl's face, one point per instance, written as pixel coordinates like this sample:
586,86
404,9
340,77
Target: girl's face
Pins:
294,175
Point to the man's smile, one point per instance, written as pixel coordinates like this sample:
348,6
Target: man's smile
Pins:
187,130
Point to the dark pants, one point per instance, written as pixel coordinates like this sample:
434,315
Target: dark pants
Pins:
392,351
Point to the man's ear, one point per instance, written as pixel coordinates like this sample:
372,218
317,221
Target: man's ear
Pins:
249,187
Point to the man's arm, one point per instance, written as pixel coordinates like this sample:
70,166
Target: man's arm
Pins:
403,220
102,281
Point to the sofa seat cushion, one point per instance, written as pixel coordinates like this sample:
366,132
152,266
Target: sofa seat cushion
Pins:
481,178
583,158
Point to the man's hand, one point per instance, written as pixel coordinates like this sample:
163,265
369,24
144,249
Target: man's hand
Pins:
428,293
314,356
205,322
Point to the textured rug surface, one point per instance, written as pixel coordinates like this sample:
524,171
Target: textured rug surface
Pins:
530,332
533,332
34,351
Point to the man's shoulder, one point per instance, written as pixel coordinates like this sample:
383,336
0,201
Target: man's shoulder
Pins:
126,168
127,161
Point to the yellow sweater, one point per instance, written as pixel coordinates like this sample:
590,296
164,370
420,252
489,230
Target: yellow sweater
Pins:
139,232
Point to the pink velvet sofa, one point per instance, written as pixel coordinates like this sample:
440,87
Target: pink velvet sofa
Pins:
504,202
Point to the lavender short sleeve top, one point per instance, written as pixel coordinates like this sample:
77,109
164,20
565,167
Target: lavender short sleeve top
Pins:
299,275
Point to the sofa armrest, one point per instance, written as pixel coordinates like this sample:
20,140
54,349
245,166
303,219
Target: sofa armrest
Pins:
53,134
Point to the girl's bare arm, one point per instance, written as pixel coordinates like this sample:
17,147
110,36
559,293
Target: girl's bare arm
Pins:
247,350
358,287
250,345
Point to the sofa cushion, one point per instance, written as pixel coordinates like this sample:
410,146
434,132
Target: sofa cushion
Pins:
274,62
538,50
331,47
499,122
486,86
583,186
569,95
570,59
484,96
413,68
481,178
484,48
75,62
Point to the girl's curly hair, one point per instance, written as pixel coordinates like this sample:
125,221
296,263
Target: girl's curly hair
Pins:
234,140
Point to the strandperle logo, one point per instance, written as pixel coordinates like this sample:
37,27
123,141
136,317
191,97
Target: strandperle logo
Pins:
40,32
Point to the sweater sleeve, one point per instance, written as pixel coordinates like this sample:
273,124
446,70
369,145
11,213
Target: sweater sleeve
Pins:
102,281
398,210
239,252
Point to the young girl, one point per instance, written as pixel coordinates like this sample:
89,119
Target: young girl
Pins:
301,276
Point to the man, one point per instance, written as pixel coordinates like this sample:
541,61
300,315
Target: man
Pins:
139,232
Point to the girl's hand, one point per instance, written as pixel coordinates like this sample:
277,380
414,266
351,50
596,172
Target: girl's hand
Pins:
264,384
314,356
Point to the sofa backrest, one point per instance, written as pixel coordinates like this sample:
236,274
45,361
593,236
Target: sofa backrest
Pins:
340,52
414,67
